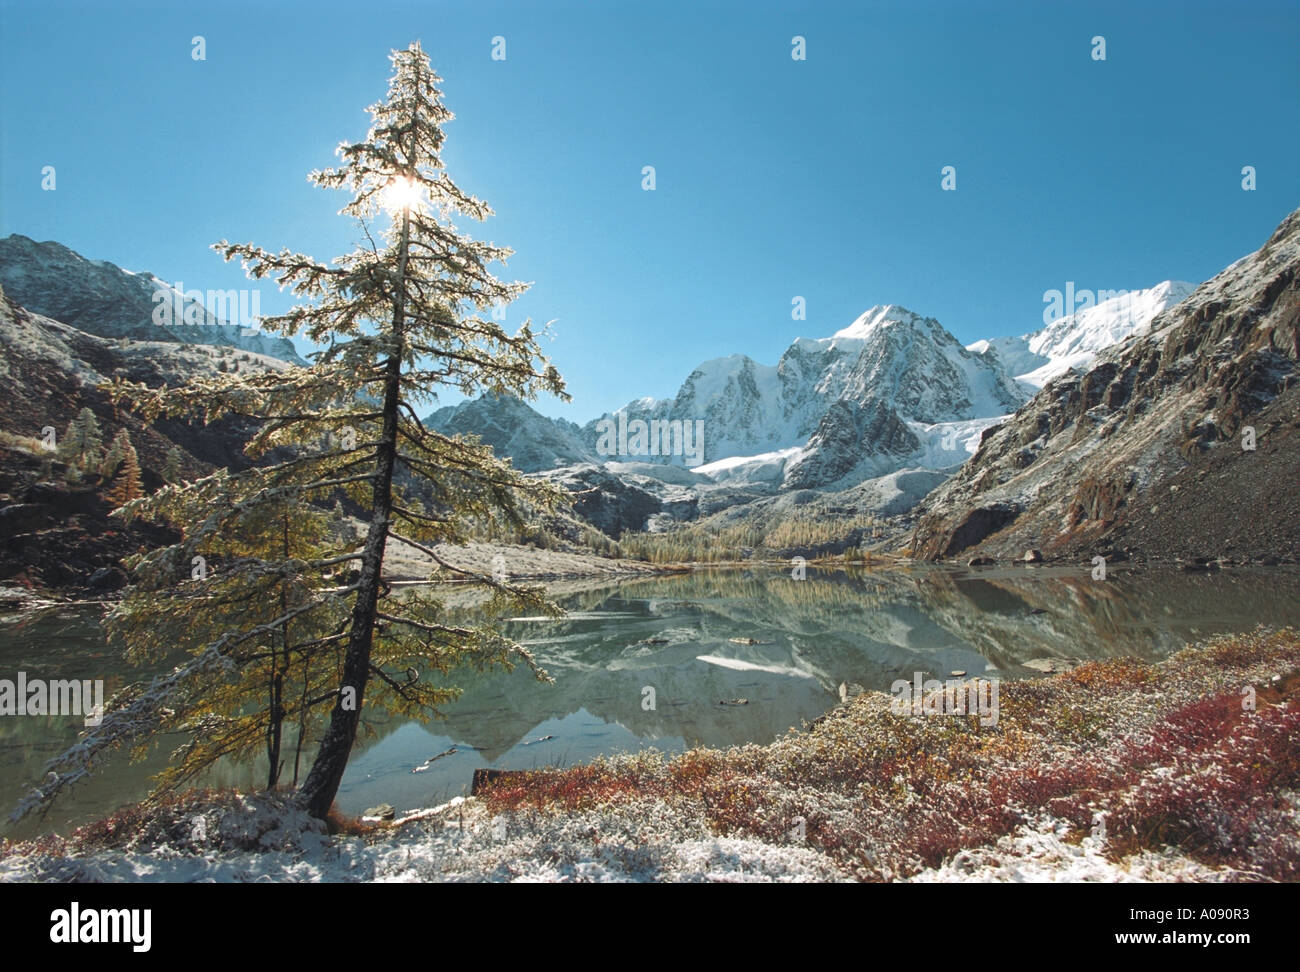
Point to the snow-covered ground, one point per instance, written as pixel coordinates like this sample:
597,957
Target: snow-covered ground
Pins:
255,838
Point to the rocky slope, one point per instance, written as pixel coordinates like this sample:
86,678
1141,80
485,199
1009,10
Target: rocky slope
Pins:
835,451
51,370
1147,452
101,298
56,535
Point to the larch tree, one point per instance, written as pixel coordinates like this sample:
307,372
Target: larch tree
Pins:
288,618
126,476
266,570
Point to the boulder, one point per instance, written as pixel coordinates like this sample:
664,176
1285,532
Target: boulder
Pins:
107,579
978,524
63,500
24,518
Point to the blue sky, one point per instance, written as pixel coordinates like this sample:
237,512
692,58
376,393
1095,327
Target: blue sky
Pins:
775,178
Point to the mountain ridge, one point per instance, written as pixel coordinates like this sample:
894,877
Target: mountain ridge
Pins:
904,367
893,390
101,298
1072,341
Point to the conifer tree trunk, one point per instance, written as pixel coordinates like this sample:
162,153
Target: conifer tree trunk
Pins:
275,720
322,783
326,774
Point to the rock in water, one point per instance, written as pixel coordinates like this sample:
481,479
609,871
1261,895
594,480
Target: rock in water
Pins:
108,579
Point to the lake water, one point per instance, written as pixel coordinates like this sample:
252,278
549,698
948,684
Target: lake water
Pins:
687,638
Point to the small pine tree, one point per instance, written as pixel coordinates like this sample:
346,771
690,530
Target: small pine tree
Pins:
171,471
113,457
126,483
82,443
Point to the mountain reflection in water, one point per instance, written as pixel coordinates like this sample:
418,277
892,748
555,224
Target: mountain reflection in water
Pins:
689,643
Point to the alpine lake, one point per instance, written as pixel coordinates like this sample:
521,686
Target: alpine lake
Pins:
716,658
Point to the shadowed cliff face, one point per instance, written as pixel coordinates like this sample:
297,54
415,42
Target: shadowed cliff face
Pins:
1147,453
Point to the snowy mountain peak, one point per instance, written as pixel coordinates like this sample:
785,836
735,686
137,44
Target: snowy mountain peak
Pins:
868,399
882,315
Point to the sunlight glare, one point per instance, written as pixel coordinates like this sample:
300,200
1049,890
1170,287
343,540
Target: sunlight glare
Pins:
403,194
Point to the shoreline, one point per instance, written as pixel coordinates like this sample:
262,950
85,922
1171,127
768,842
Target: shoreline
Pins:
1116,770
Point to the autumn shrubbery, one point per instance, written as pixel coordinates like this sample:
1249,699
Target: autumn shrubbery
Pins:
1151,756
